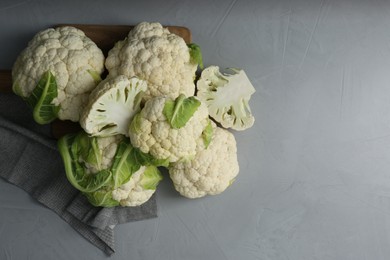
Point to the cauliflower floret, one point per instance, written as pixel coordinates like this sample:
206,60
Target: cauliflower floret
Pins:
211,171
75,61
152,53
133,193
151,132
146,30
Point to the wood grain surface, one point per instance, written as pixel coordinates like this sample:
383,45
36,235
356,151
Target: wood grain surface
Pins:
5,81
105,37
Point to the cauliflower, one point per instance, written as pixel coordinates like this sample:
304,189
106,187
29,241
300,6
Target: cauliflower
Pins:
109,171
101,155
227,97
169,129
211,171
112,105
136,191
67,64
157,56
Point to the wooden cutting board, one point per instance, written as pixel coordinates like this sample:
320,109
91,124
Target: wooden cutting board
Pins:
105,36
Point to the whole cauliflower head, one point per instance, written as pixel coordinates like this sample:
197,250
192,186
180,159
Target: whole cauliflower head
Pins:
109,171
152,133
152,53
75,61
211,171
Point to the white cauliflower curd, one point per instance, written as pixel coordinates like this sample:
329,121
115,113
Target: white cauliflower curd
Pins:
211,171
134,192
152,53
75,64
152,132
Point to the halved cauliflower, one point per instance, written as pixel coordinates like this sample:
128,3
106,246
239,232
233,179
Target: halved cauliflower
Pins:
152,53
112,105
211,171
154,130
75,64
227,97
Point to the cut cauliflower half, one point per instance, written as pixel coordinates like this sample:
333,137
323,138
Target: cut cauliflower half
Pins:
227,97
152,53
211,171
139,188
74,61
112,105
173,138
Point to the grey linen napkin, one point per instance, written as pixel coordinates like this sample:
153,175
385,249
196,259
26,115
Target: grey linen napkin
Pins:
31,161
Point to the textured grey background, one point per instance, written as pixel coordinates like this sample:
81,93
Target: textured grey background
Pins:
315,168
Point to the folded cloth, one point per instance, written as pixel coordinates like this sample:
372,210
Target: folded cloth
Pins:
105,217
32,162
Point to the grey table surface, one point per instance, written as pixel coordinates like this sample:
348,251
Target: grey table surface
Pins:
314,178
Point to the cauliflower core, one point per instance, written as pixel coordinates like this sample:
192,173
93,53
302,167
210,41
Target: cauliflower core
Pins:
151,132
74,60
152,53
211,171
